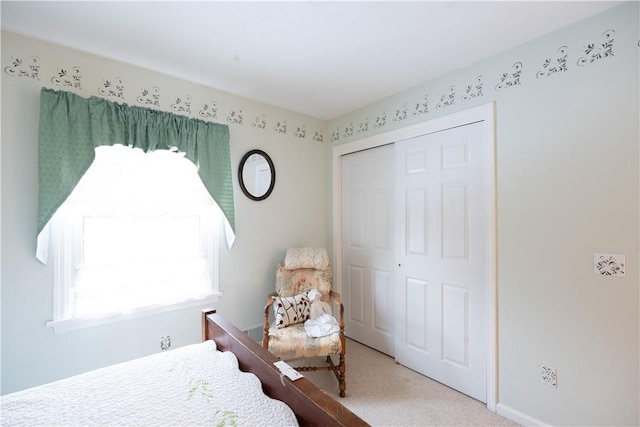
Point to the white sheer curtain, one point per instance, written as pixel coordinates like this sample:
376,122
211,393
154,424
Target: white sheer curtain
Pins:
138,231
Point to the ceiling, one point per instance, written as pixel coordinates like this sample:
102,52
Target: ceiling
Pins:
320,58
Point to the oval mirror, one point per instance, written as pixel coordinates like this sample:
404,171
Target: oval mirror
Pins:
257,175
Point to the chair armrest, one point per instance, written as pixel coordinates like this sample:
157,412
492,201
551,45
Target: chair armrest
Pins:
265,326
270,298
337,299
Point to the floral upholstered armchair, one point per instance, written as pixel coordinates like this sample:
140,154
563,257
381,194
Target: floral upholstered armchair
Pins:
291,335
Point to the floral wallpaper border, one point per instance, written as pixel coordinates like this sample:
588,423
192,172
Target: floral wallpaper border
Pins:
114,88
609,265
561,61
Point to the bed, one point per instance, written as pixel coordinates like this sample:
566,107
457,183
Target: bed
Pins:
228,379
312,406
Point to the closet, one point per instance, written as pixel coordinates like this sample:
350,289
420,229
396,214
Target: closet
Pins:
416,249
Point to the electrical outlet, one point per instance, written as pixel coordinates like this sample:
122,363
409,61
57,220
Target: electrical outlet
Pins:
549,376
165,343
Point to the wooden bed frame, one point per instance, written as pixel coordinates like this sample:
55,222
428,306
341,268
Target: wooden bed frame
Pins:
312,406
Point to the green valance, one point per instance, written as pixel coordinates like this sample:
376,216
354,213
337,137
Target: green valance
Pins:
71,127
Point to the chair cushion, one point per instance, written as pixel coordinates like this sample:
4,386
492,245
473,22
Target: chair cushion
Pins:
293,342
290,310
306,258
302,280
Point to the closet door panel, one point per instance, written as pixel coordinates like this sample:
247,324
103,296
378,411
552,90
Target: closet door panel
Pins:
368,247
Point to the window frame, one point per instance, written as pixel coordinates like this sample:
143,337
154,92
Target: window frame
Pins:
68,256
65,237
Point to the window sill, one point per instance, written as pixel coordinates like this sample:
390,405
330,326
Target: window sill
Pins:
61,326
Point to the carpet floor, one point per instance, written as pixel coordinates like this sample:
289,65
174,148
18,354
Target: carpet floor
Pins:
384,393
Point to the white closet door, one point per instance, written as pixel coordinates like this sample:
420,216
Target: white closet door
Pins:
368,247
440,249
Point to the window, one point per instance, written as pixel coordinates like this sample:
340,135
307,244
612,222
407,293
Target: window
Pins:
138,235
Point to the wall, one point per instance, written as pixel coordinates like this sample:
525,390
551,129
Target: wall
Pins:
567,159
293,215
567,170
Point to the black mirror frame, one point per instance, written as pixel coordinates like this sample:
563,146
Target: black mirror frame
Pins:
241,180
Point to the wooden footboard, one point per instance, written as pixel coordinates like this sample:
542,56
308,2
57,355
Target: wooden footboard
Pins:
312,406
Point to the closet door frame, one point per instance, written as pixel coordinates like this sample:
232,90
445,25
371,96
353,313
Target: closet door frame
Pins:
483,113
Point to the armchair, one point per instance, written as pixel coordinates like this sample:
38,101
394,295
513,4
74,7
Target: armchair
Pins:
287,337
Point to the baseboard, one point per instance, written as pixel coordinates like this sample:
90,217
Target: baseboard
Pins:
517,416
255,333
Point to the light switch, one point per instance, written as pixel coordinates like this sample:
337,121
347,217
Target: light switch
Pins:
609,265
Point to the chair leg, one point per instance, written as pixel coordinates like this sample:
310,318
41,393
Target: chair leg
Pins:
339,371
341,376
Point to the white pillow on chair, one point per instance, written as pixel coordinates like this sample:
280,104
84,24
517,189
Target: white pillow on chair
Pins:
306,258
290,310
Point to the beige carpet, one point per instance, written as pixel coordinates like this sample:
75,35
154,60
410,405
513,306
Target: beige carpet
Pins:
384,393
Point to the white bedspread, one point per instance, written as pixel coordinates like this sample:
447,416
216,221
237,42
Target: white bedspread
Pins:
191,385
